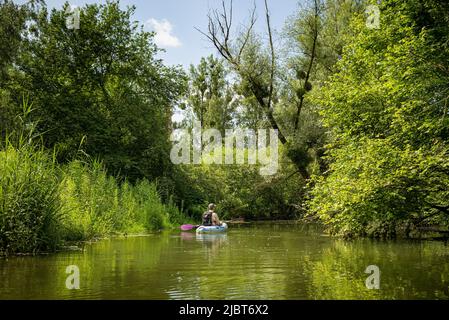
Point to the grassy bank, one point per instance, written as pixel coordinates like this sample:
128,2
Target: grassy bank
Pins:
43,204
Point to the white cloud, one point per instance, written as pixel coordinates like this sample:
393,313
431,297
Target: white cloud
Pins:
164,37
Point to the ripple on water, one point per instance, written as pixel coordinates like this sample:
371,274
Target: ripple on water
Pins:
252,262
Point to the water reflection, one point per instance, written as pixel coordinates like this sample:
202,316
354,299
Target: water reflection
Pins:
212,244
261,261
186,236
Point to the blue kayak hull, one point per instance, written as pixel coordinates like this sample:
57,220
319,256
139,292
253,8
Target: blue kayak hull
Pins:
212,229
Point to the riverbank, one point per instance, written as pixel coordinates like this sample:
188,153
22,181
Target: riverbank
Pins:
44,205
316,227
79,246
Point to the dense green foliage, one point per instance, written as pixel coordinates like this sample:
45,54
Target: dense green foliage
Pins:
210,96
387,111
43,204
100,85
97,205
29,204
241,192
361,113
97,92
312,47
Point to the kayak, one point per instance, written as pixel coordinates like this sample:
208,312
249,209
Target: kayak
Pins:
212,229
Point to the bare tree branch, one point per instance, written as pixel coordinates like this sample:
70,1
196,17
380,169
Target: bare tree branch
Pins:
219,33
247,34
228,22
312,59
273,61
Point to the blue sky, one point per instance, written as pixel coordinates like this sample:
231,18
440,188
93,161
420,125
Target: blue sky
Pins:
175,22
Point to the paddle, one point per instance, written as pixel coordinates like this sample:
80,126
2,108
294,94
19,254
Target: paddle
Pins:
187,227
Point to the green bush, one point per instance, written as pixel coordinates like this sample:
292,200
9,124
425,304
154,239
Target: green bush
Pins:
89,201
29,205
96,204
42,204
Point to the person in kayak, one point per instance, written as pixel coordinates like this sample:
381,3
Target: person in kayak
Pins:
210,217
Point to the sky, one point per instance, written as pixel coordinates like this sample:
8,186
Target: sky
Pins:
174,22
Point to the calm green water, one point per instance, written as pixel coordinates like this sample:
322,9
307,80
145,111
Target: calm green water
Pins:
259,261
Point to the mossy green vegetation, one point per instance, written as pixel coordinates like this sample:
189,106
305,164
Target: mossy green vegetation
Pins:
43,204
361,115
386,112
64,103
29,203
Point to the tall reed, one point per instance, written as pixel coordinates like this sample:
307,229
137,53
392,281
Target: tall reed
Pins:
43,204
30,212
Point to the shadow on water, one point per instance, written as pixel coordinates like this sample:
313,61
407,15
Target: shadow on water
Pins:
250,261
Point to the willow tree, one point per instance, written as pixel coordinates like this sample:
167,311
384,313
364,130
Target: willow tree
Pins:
101,85
254,62
314,38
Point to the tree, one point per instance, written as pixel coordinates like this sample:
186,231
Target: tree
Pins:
12,24
13,20
211,95
255,65
387,116
100,88
314,39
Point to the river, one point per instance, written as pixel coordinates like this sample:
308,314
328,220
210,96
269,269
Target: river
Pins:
250,261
